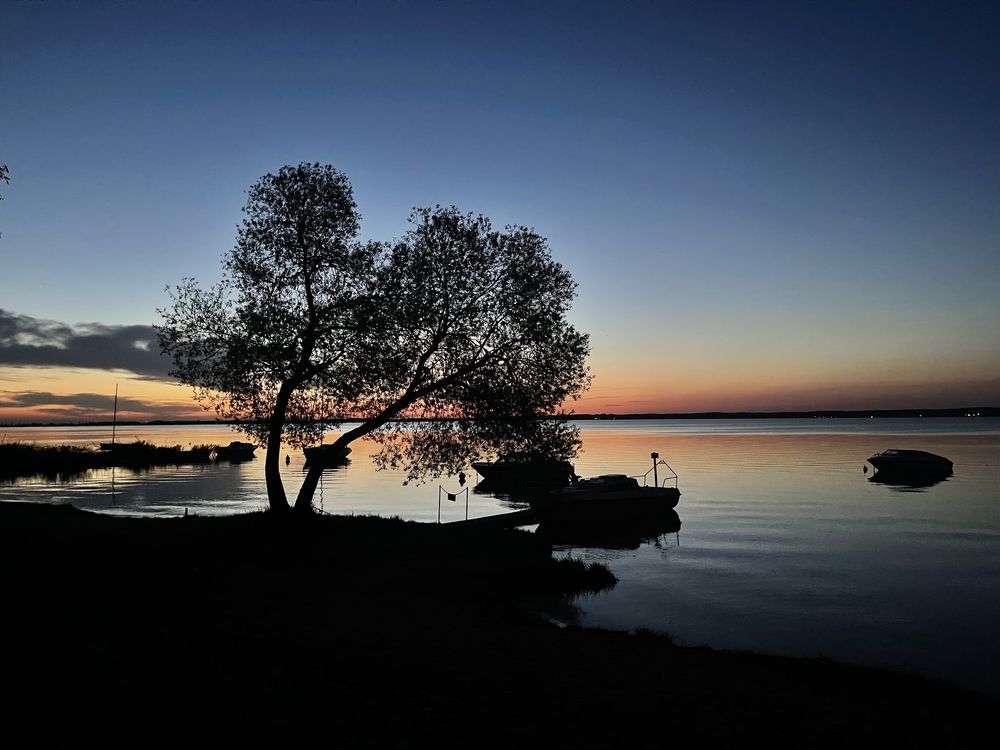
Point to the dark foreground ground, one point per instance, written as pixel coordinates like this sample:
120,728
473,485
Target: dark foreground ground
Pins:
374,633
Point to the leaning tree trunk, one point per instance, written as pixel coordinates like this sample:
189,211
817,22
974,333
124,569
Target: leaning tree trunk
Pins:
276,499
303,501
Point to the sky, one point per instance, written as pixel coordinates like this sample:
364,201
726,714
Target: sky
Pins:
767,205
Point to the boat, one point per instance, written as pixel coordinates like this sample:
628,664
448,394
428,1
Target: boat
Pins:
235,451
513,469
610,498
322,455
900,460
907,468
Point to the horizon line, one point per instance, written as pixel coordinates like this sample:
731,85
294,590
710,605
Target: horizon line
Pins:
966,411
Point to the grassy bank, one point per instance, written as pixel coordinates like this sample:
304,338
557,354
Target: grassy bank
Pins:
57,462
380,633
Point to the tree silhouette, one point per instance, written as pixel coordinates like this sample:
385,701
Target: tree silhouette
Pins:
274,342
458,329
470,337
4,177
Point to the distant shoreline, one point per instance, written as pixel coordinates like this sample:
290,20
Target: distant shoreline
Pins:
970,411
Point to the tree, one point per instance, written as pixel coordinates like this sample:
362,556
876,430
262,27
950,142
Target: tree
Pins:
4,177
458,328
471,338
275,341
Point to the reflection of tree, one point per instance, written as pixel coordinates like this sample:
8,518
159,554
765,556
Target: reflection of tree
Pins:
457,326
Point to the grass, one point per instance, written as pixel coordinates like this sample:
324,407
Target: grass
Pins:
63,462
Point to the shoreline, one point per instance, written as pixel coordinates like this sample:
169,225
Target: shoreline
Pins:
937,413
383,632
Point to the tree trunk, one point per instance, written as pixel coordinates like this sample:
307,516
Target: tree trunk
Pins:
276,499
303,501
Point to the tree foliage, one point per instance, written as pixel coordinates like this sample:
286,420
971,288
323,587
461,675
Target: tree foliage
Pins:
273,344
470,337
458,328
478,328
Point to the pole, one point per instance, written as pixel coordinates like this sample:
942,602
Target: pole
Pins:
114,419
656,481
439,503
466,503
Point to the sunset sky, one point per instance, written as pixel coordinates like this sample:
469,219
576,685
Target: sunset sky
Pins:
767,206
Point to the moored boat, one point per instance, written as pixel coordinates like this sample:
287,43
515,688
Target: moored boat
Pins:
910,469
323,455
906,460
608,498
514,469
235,451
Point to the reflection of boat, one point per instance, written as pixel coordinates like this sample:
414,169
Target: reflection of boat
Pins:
918,481
621,535
909,468
235,451
322,455
514,469
612,498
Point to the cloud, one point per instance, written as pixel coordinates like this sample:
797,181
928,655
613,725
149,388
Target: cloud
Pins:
25,406
34,342
87,401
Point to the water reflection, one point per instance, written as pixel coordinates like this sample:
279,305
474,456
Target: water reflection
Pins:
916,481
785,550
616,536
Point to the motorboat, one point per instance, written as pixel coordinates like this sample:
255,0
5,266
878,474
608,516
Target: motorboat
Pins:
514,469
909,468
898,460
324,456
609,498
236,451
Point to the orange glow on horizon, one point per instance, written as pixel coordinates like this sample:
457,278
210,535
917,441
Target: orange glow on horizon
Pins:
61,395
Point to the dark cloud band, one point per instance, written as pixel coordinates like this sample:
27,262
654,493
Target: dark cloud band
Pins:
34,342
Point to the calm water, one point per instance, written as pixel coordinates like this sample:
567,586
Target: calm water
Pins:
785,547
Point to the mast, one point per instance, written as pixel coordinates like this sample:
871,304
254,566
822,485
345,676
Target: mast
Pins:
114,419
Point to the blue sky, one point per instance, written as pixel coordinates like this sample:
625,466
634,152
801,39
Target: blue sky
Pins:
787,205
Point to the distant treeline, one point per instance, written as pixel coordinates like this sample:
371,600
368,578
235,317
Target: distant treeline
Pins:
968,411
972,411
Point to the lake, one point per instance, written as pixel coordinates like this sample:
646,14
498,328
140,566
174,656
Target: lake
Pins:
785,546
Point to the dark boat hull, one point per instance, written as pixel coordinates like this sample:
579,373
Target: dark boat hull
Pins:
910,468
235,452
322,455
